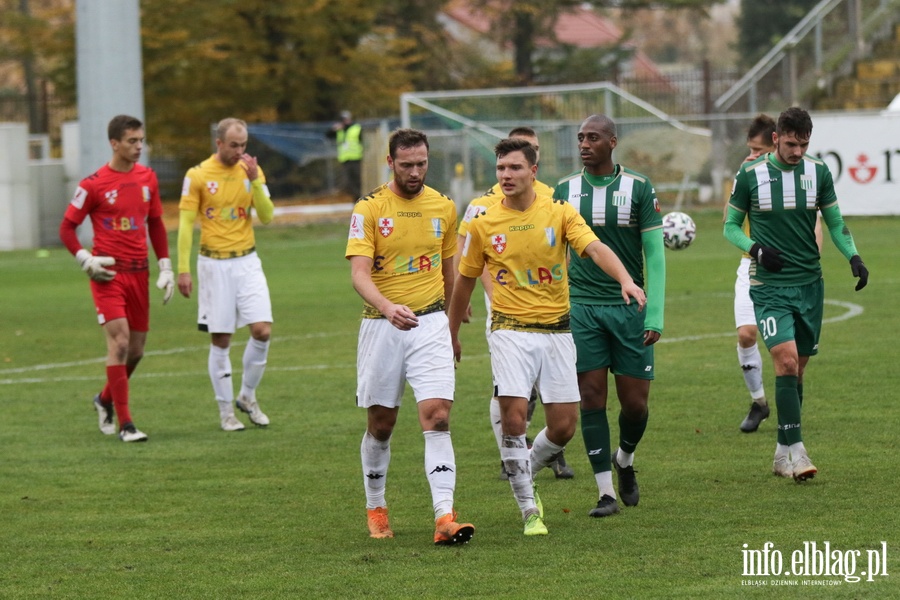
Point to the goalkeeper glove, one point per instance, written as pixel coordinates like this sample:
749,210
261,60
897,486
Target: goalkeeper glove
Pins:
769,258
166,281
858,267
94,265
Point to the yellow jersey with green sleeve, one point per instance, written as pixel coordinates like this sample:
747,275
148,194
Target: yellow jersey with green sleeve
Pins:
492,197
222,198
525,253
407,240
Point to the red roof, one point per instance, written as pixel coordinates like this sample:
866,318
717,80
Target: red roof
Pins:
580,27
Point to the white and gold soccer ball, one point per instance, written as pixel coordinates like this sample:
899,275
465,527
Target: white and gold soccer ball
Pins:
679,230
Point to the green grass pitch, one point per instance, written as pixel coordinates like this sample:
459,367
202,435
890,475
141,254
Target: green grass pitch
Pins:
279,512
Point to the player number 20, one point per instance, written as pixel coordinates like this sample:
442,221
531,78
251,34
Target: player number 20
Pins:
768,326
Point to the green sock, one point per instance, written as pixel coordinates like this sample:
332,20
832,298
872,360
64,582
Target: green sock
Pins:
800,393
788,403
595,431
631,432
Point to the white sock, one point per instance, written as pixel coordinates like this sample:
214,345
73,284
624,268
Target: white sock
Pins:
376,456
255,355
542,452
624,459
219,366
752,365
782,450
605,484
797,450
495,421
440,469
514,454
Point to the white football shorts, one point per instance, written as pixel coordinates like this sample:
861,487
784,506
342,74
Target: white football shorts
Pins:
233,293
743,305
521,358
387,358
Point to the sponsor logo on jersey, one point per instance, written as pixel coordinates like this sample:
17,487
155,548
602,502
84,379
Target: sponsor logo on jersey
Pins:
111,196
521,227
79,198
413,214
530,276
498,243
619,198
472,211
357,222
385,226
212,187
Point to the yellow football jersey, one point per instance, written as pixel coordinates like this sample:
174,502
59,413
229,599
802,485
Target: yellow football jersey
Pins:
490,198
525,253
408,241
222,198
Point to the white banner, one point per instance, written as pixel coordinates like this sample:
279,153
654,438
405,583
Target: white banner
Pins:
863,153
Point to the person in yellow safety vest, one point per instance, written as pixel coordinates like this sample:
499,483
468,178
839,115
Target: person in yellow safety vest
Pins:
348,136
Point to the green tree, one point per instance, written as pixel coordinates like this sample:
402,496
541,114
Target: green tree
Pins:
523,22
762,23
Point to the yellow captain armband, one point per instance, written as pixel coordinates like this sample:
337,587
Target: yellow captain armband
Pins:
265,208
185,239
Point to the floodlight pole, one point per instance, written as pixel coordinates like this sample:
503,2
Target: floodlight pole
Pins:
109,73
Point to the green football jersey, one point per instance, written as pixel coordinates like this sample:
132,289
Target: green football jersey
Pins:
781,203
619,213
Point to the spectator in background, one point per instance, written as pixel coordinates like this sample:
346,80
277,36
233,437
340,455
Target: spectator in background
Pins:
348,135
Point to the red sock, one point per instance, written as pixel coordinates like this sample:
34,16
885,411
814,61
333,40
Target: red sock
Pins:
117,383
106,394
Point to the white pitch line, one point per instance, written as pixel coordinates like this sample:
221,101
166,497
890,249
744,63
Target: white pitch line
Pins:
853,310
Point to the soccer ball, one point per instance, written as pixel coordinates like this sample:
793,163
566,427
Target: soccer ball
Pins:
678,230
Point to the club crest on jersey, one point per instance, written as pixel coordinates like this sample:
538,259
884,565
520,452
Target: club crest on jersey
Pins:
498,243
550,232
145,190
385,226
806,182
111,196
619,198
212,187
436,226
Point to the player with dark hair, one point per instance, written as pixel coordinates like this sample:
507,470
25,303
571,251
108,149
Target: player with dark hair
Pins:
759,140
476,207
781,193
122,201
611,335
223,191
400,247
522,241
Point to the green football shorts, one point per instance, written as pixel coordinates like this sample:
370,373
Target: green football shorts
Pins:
611,337
787,314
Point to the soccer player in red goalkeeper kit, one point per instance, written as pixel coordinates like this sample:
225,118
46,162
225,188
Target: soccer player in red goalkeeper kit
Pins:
122,201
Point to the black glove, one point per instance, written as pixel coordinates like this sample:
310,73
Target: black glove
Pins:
769,258
859,270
